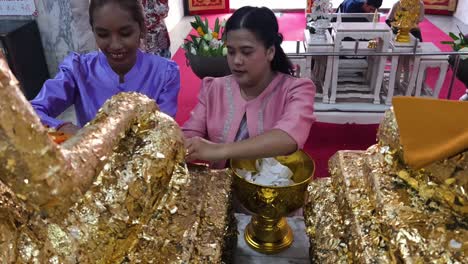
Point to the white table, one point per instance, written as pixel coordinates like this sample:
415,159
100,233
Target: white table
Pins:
395,69
323,65
361,31
296,48
431,61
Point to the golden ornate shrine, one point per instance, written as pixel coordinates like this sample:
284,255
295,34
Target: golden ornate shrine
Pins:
406,18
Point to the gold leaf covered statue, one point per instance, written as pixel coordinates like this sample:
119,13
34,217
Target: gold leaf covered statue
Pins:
375,208
406,18
117,192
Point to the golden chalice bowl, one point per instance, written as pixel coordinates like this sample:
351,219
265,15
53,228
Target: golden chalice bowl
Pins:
268,231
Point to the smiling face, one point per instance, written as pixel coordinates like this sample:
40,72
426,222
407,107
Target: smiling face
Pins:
248,59
117,36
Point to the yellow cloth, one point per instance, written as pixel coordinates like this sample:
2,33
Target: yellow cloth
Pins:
431,129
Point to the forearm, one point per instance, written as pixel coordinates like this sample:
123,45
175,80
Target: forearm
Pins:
46,119
190,133
272,143
57,94
421,12
390,16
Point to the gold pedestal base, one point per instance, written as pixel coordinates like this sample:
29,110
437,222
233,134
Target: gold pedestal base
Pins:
403,35
268,232
268,235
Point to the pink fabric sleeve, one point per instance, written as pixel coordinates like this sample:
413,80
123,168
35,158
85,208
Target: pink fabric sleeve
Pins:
298,116
196,125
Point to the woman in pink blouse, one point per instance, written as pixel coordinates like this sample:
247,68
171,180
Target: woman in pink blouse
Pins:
260,110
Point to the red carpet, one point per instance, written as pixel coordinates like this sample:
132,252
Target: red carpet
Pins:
324,139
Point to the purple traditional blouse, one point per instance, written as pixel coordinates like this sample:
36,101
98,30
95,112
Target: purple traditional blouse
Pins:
87,81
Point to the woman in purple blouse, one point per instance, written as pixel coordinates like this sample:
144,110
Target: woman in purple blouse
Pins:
88,80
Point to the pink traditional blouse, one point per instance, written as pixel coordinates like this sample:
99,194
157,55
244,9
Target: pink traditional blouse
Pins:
287,104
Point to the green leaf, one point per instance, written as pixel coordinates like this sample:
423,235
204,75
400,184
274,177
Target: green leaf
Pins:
207,26
461,33
446,42
219,51
198,20
201,45
194,38
216,27
453,36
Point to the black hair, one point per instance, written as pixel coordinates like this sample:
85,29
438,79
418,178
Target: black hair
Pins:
375,3
262,22
133,6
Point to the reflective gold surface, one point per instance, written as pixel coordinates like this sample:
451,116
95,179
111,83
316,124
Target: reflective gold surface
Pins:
372,44
375,209
118,191
406,18
418,229
325,225
268,231
444,181
355,200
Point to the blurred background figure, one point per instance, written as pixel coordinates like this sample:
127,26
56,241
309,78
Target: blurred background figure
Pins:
359,6
157,36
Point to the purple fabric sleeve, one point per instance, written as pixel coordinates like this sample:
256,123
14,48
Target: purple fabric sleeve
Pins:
167,99
57,94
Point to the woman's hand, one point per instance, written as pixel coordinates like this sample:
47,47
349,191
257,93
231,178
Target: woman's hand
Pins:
201,149
68,128
273,143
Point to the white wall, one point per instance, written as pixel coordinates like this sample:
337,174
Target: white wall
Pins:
176,12
462,11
